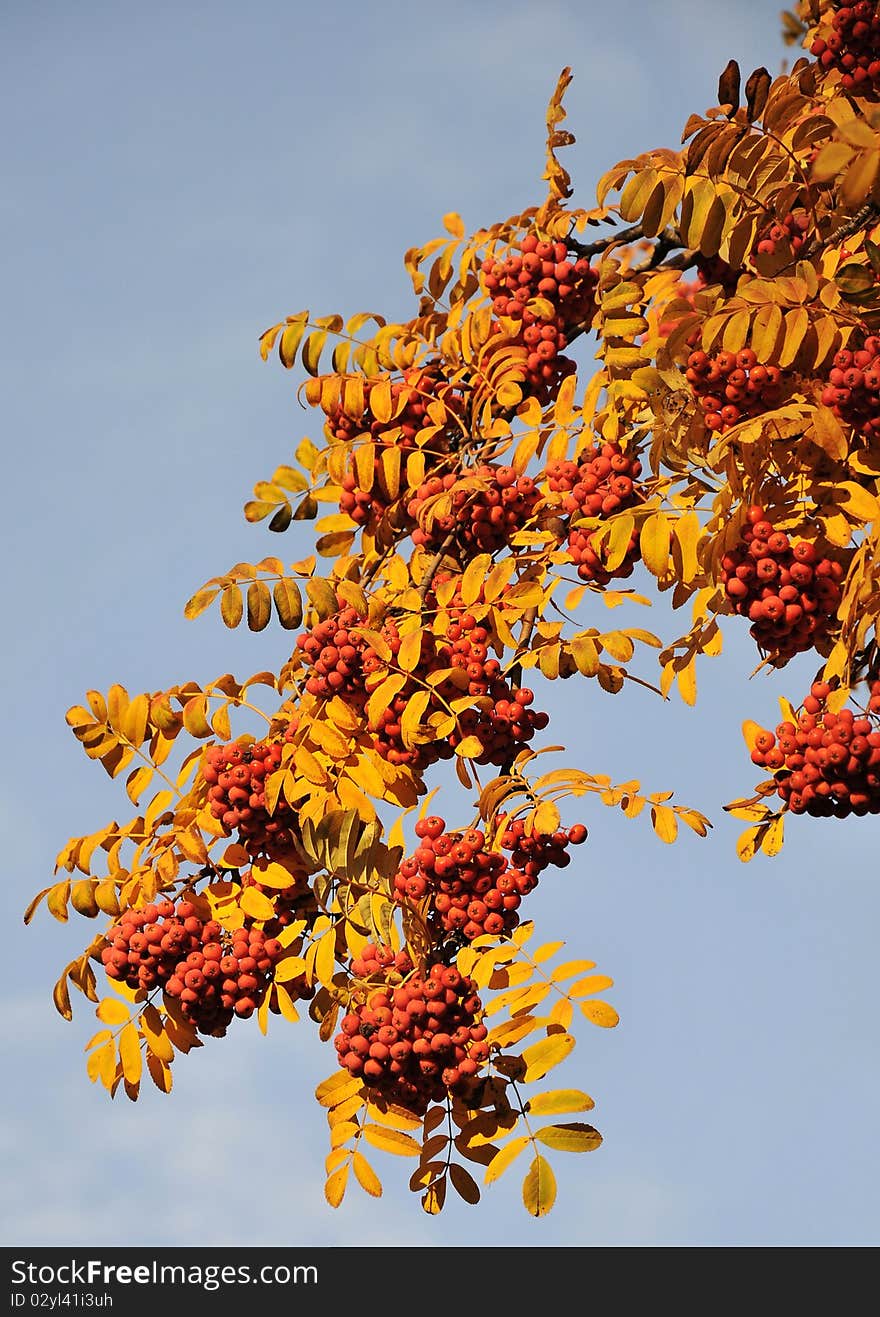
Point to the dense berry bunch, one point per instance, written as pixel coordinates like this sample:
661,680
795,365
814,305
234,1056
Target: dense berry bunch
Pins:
407,420
236,774
786,235
481,519
732,386
787,588
852,44
539,272
473,890
343,663
853,388
423,413
827,764
224,978
335,655
414,1039
603,481
535,851
213,975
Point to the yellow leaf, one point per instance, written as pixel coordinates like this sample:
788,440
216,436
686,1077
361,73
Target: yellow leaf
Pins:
153,1030
771,842
231,606
259,605
570,967
285,1004
546,817
130,1054
665,823
366,1176
654,543
544,1055
571,1137
334,1189
292,967
288,603
504,1157
748,843
470,747
391,1140
410,651
201,600
256,904
539,1187
585,654
112,1011
594,983
268,873
599,1012
559,1100
325,958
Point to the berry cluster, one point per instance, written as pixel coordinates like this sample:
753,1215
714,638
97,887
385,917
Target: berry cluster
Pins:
213,975
236,774
409,427
473,891
567,286
411,399
535,851
787,588
852,45
604,481
853,388
412,1039
827,764
343,663
788,234
732,386
482,520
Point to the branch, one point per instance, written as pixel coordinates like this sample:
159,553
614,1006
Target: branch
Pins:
852,225
434,564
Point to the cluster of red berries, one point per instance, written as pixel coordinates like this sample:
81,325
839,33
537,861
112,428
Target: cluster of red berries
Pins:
602,482
852,45
545,270
413,1037
827,764
411,397
212,974
481,520
409,427
787,588
788,234
533,852
473,890
731,386
342,663
236,774
853,388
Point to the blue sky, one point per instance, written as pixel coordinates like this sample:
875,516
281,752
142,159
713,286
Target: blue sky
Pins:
178,177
